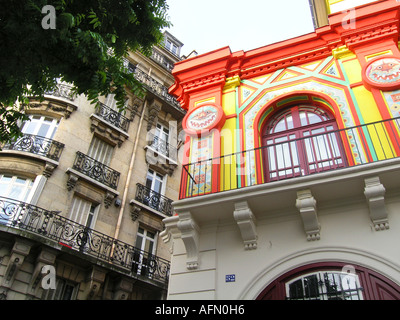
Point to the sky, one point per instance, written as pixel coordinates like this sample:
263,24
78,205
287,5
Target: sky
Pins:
207,25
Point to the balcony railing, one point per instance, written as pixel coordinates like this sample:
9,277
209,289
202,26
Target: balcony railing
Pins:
50,225
96,170
156,87
38,145
286,159
153,199
161,146
62,90
113,117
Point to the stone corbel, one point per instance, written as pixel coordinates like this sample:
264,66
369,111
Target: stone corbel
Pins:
375,193
307,206
247,224
190,237
72,180
20,250
48,169
135,211
108,199
93,283
46,257
154,110
123,288
170,232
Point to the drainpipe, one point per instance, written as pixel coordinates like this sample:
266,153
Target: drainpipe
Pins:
128,178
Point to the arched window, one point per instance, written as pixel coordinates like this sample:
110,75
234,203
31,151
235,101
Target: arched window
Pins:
325,285
301,140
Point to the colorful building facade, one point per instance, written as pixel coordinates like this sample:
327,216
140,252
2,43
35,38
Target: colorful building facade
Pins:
290,164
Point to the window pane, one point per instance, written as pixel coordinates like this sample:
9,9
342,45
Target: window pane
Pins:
139,241
5,179
29,127
280,126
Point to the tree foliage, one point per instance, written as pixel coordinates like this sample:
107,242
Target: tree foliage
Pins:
86,48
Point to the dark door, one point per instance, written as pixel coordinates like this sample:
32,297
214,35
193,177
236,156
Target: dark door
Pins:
327,281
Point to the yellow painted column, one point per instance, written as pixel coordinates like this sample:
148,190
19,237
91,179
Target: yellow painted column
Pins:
228,176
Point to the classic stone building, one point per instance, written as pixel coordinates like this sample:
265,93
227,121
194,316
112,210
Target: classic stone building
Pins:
85,190
291,170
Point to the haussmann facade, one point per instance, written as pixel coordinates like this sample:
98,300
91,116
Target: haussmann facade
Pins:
83,192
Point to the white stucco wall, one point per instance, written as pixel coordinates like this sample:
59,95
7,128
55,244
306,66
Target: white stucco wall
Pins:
347,235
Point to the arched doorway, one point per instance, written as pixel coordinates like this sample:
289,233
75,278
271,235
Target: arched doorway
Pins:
300,140
331,281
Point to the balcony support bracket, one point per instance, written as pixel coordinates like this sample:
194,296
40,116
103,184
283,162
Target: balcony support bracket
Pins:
307,206
246,222
375,193
190,237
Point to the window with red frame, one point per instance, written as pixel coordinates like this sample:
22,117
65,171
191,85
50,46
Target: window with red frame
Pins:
301,140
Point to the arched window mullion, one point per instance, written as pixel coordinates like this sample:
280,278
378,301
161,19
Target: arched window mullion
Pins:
315,149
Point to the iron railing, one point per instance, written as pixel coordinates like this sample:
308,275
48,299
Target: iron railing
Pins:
38,145
153,199
113,117
156,87
161,146
62,90
325,286
290,158
50,225
96,170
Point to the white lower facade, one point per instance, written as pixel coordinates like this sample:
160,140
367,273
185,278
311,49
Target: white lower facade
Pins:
233,245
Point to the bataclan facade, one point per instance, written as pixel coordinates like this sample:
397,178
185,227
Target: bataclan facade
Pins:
290,186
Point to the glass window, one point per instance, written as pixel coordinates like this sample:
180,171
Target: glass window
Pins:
301,140
65,290
326,285
14,187
154,181
41,126
145,240
160,140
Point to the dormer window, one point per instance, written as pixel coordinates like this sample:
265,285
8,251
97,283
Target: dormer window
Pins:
171,47
172,44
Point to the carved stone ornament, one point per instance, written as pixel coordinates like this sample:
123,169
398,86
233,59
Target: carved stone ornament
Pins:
307,206
154,110
135,211
190,237
247,224
375,193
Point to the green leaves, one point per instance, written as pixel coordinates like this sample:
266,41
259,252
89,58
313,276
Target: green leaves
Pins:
78,50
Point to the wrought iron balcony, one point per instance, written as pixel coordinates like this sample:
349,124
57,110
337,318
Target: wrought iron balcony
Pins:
62,90
161,146
157,88
113,117
50,225
96,170
292,158
38,145
153,199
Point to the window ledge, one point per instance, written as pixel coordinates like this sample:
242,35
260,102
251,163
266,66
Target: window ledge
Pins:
136,203
113,134
74,176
